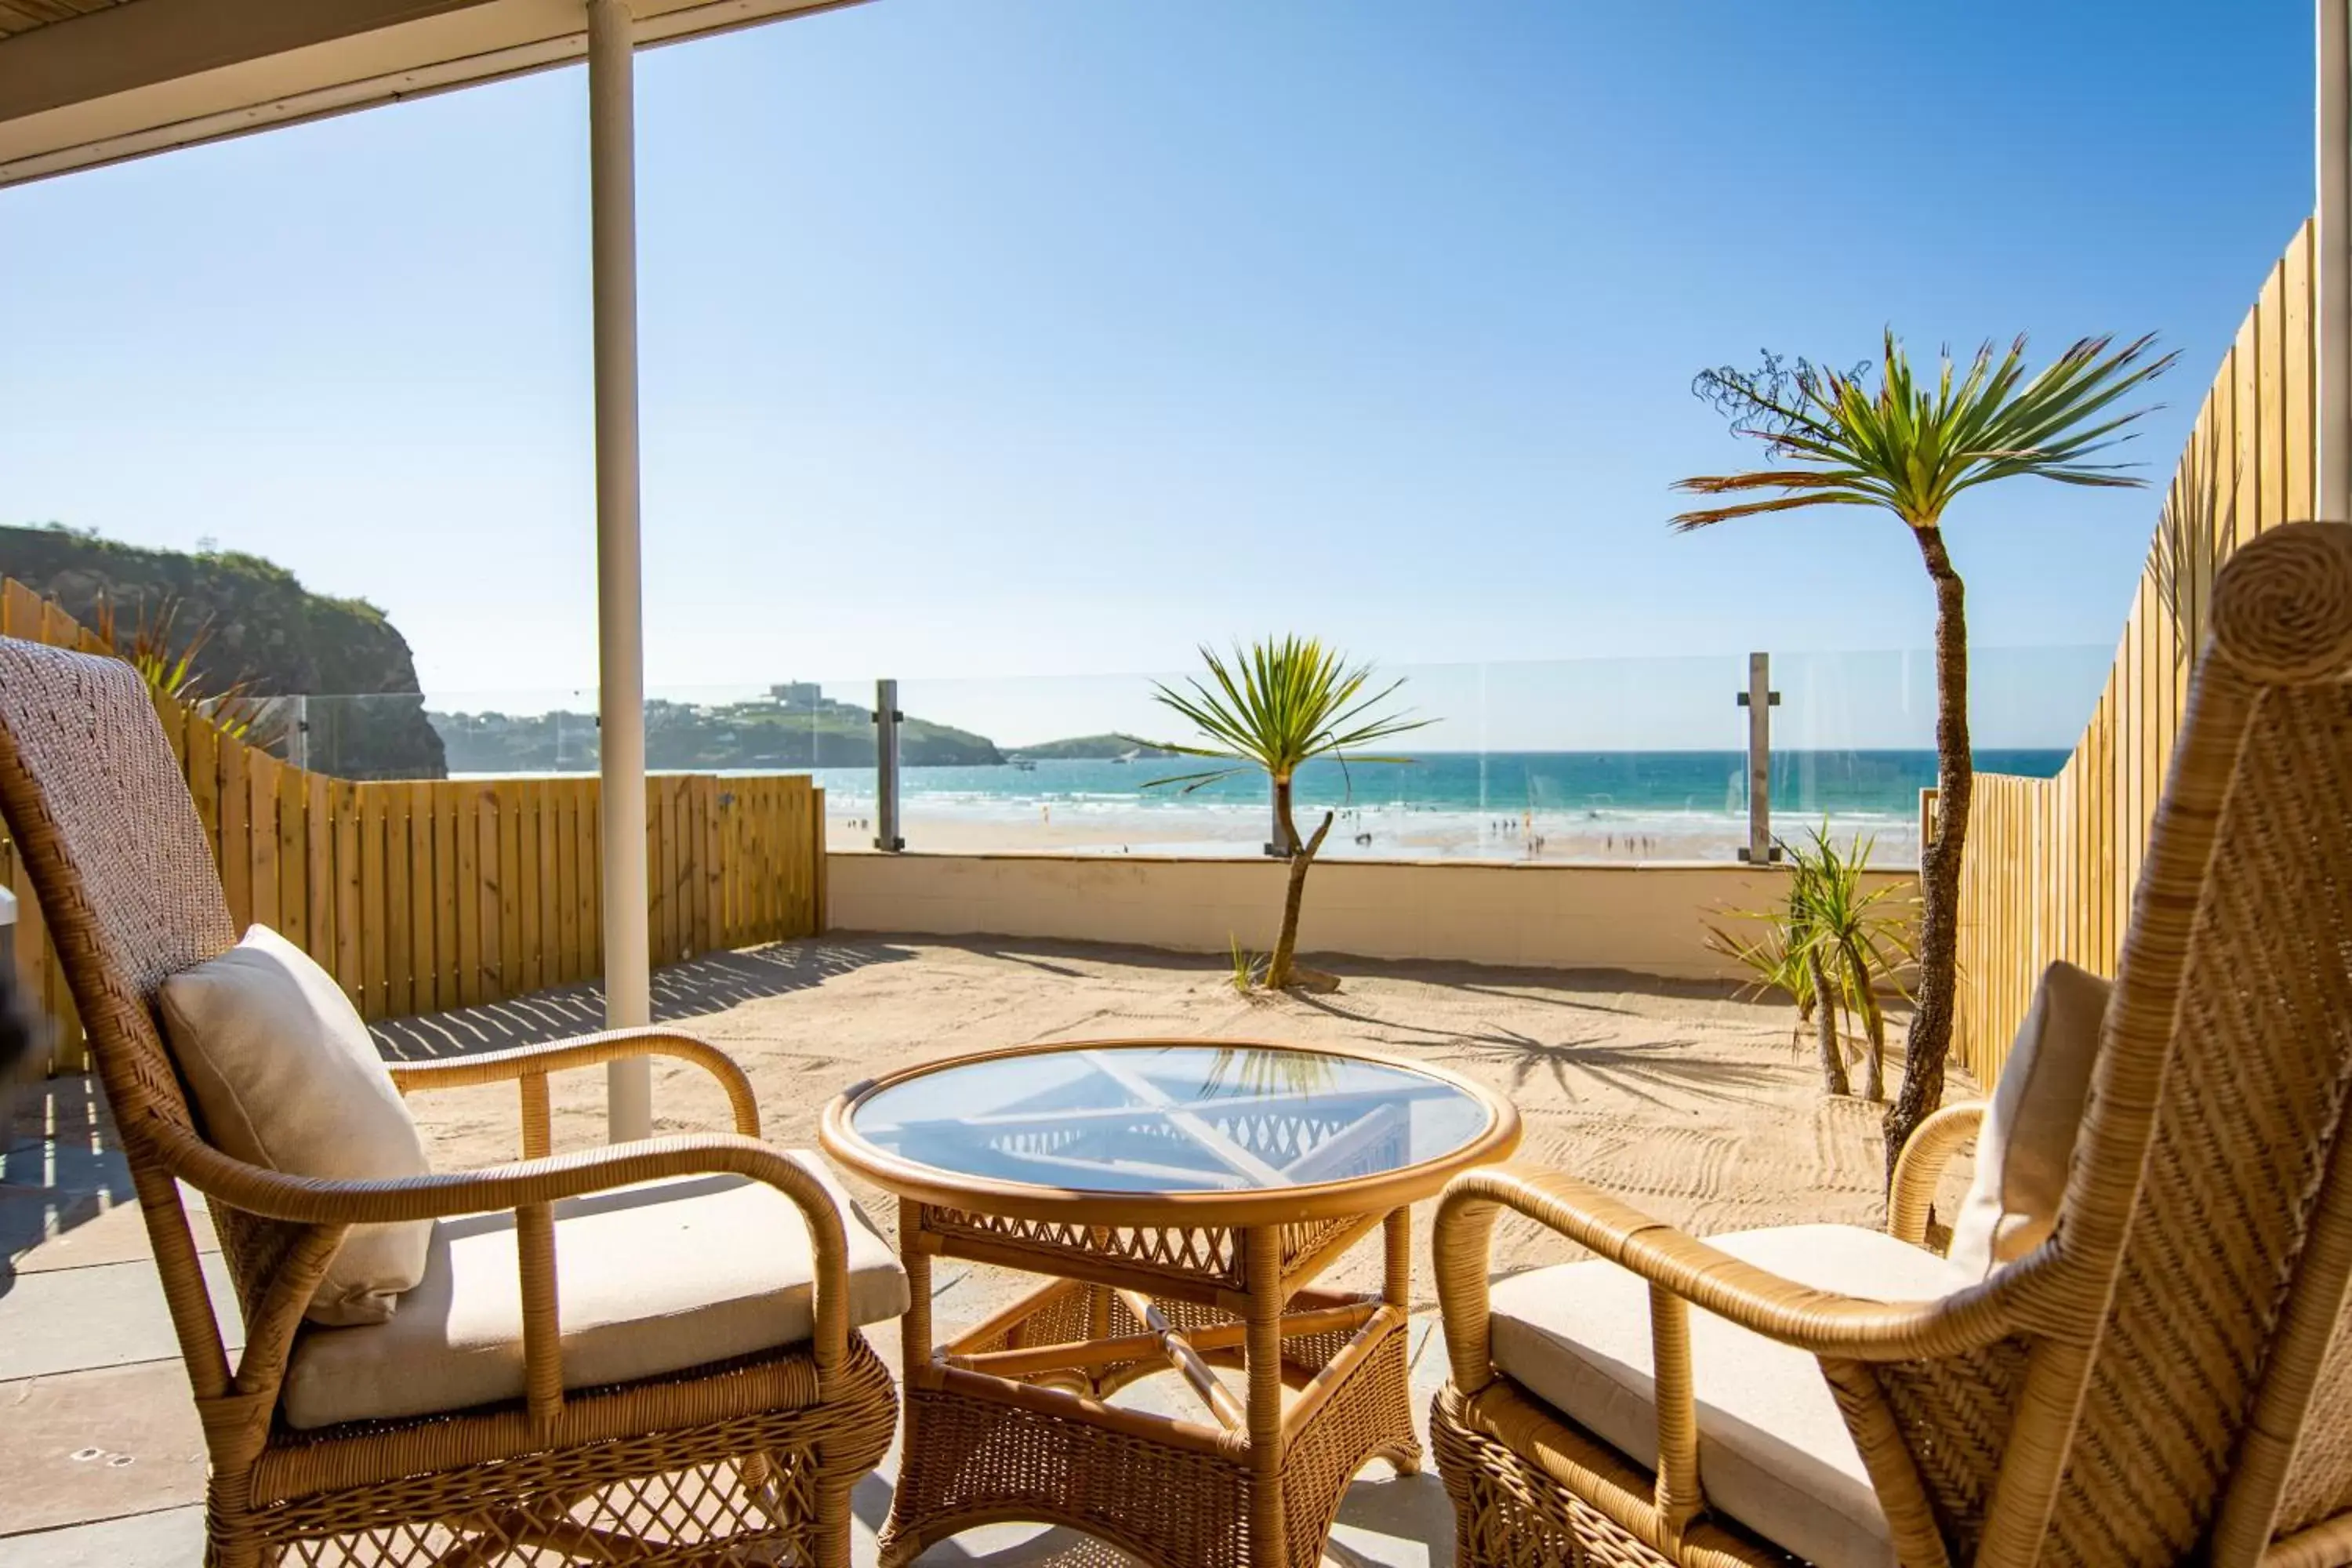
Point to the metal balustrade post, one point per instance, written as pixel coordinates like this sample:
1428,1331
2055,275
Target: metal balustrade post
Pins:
887,719
1759,699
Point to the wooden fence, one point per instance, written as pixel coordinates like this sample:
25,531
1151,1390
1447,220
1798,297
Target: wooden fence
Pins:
422,895
2052,863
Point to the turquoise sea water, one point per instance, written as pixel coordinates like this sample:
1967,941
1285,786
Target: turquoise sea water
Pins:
1442,802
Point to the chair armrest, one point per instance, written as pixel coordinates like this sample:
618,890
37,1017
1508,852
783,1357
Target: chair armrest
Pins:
1920,1168
328,1206
1823,1322
586,1050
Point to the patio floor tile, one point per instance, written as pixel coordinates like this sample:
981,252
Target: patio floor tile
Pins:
98,1445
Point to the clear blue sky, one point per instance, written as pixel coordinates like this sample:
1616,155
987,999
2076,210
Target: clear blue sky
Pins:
995,337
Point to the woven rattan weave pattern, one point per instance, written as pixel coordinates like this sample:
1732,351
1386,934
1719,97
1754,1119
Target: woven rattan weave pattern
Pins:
1012,1419
753,1459
2165,1380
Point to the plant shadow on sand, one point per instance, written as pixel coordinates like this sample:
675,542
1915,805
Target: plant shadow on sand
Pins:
1645,1070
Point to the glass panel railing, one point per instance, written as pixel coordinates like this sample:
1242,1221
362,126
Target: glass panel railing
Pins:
1586,760
1854,737
1623,758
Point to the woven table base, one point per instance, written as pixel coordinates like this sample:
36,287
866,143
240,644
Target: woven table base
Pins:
973,1458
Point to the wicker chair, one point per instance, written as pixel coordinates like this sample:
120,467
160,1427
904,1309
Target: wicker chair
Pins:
747,1460
2169,1378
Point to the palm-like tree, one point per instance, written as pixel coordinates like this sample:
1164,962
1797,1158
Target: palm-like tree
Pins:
1913,449
1277,706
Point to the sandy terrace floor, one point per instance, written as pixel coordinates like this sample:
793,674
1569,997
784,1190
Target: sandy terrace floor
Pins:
1679,1098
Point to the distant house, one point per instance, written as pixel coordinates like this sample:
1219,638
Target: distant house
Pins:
798,696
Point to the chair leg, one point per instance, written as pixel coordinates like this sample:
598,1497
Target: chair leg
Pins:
831,1535
229,1540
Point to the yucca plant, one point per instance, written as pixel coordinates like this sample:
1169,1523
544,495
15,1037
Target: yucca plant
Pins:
1773,962
1912,449
166,661
1276,707
1831,948
1855,938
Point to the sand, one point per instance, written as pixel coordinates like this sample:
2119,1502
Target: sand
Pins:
1549,840
1680,1098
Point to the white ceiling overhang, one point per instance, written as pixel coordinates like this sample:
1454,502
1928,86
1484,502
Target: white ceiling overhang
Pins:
145,76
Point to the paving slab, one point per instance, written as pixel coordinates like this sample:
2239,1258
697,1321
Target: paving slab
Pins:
111,1232
98,1445
110,1314
172,1538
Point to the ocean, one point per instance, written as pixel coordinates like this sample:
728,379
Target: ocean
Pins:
1657,804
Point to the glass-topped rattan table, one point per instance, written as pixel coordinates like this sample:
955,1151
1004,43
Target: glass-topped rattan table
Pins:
1182,1197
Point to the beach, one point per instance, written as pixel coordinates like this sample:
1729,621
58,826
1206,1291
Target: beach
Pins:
1371,836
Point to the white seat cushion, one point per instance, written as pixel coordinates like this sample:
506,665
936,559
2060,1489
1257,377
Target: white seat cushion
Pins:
649,1279
284,1076
2029,1130
1774,1453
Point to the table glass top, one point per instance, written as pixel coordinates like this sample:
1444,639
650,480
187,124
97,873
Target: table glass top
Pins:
1171,1119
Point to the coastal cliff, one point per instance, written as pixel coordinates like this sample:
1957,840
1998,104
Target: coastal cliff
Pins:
261,627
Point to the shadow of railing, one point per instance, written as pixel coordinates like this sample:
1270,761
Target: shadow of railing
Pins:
60,1164
711,984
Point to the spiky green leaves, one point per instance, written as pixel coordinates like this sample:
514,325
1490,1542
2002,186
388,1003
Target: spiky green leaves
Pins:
1277,705
1913,448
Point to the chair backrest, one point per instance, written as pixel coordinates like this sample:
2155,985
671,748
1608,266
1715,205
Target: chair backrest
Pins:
130,895
2188,1391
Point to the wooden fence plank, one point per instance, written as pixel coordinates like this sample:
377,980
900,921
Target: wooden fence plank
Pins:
709,897
318,864
445,982
382,933
235,833
565,853
423,974
467,801
820,866
587,825
261,771
350,968
539,931
508,814
294,858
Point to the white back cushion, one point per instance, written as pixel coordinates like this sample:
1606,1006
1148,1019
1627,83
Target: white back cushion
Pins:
2028,1130
284,1076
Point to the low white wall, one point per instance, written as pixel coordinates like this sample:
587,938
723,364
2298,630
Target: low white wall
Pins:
1648,918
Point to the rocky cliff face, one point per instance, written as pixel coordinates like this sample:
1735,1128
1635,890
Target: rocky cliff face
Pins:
267,630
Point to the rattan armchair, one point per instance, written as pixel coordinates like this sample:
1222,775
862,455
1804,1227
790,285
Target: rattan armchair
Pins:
750,1459
2169,1378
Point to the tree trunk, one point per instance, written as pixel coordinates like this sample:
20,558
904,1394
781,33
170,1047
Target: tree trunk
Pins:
1930,1041
1294,898
1873,1030
1285,827
1833,1077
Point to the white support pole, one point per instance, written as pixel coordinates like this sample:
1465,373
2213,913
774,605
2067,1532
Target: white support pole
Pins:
2331,270
620,613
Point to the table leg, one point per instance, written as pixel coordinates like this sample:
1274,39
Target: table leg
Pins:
1396,1290
915,1327
1261,1267
915,1356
